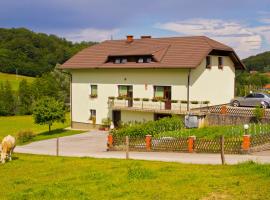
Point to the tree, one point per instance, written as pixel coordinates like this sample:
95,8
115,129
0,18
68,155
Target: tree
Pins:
25,98
7,100
47,110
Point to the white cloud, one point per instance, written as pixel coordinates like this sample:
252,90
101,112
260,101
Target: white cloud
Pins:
246,40
90,34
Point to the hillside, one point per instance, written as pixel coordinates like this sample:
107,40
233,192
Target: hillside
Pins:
13,79
33,53
259,62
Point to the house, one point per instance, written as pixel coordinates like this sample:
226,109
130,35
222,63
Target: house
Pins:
147,78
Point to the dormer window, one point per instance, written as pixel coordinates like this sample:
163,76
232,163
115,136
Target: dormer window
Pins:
117,61
124,60
148,60
140,60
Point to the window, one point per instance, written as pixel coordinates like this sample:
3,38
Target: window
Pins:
148,60
158,91
124,60
259,96
92,115
93,91
250,96
208,62
220,62
122,91
140,60
117,61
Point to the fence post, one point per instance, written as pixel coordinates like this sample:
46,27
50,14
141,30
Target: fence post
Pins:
191,140
148,140
57,146
110,141
127,147
246,143
222,149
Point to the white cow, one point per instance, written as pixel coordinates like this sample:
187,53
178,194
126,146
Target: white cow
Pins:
8,145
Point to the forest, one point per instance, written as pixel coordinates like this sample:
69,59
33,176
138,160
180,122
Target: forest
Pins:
28,53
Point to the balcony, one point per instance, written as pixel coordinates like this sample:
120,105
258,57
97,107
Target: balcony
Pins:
157,106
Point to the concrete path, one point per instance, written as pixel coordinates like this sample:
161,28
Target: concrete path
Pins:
93,144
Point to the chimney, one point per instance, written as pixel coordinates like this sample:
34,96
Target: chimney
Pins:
145,36
129,38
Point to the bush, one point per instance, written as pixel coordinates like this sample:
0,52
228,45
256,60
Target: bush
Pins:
106,122
258,113
150,128
24,136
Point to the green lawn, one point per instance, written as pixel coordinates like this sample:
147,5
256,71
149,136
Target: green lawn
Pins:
45,177
14,80
12,125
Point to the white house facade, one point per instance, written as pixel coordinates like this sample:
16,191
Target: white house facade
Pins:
125,88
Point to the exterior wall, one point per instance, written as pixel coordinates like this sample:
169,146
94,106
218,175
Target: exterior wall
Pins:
107,80
215,85
127,116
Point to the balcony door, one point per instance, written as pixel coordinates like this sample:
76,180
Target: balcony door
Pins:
126,91
167,97
164,92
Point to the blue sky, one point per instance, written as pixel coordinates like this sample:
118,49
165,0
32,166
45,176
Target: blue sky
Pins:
242,24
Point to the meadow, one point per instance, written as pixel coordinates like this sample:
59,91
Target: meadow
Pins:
14,80
46,177
13,124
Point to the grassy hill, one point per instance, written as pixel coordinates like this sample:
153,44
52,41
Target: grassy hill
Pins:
259,62
14,80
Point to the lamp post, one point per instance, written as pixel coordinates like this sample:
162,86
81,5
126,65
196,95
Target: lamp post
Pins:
246,126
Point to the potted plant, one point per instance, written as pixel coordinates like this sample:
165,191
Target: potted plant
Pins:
145,99
194,102
106,122
174,101
136,99
183,101
111,98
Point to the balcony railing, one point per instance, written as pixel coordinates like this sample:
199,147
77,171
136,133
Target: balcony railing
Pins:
162,105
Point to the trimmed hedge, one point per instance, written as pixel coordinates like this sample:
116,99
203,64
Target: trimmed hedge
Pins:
153,128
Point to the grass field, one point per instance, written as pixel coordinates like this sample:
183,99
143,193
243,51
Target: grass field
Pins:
44,177
13,79
12,125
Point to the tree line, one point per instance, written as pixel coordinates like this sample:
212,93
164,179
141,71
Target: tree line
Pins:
32,54
54,85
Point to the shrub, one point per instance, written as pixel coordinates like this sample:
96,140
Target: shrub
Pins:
258,113
24,136
151,127
106,122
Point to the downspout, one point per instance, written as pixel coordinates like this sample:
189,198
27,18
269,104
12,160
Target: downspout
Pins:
188,88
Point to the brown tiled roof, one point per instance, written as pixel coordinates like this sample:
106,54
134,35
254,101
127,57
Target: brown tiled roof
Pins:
173,52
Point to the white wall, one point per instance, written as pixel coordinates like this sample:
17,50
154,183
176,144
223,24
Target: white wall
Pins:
107,80
215,85
127,116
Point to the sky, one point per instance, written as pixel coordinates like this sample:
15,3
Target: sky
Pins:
241,24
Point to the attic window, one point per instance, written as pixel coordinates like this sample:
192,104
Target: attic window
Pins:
144,60
140,60
220,62
120,60
117,61
208,62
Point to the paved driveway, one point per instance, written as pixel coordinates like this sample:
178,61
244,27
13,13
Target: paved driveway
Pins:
93,144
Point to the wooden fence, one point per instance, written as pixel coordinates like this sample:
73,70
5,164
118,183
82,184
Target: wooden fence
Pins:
232,145
234,111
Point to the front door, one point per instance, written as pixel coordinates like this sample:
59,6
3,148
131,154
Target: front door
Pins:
116,118
167,97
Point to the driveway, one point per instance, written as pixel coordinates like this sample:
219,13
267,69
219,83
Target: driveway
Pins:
93,144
